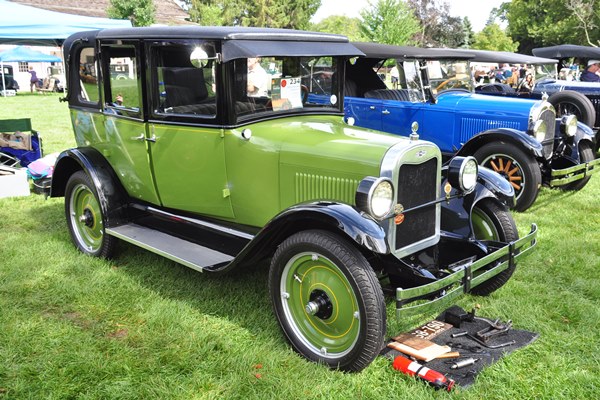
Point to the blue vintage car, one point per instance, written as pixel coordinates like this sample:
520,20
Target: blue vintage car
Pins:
520,138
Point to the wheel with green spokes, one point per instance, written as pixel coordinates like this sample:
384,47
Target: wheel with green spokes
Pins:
85,218
491,221
328,300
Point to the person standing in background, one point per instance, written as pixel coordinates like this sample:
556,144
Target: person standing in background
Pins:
33,80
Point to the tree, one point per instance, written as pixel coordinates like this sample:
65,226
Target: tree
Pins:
341,24
139,12
492,37
292,14
389,22
437,27
469,34
540,23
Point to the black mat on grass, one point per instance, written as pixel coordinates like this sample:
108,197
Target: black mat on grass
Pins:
469,348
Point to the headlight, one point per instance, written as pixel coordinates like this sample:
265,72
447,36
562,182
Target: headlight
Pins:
462,173
539,130
375,196
568,125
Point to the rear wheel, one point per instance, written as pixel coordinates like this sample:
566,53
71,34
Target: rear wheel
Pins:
85,219
328,300
569,102
521,170
586,154
493,222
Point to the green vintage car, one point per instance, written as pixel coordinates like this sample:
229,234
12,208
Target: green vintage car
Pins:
227,146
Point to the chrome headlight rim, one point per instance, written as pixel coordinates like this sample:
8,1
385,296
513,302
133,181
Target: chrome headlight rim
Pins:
568,125
540,129
463,173
367,193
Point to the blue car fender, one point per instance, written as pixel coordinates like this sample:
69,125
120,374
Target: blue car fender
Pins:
519,138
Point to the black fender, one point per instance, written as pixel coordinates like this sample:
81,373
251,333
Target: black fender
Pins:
566,149
519,138
112,196
340,218
456,214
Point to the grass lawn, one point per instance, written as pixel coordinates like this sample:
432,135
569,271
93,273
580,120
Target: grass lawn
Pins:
142,327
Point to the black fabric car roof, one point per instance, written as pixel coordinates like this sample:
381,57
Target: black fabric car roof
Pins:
239,42
383,51
567,50
507,57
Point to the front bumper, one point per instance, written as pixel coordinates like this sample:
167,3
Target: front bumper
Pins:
560,177
461,282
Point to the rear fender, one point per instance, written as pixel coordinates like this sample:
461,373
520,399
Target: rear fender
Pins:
519,138
111,194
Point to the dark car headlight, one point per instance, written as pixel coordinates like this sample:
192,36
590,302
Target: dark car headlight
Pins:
568,125
375,196
462,173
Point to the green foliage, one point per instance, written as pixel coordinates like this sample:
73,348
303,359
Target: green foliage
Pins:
342,25
292,14
140,12
389,22
437,27
492,37
468,33
540,23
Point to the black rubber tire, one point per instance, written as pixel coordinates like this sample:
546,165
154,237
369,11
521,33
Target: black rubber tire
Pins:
570,102
586,154
342,262
496,156
502,222
81,201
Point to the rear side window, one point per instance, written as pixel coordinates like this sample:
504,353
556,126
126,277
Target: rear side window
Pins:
88,76
122,95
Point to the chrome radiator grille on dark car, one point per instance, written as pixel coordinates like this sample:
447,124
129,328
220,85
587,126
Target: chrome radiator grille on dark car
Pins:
549,117
417,185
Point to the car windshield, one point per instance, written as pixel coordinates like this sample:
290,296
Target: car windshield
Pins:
449,74
283,84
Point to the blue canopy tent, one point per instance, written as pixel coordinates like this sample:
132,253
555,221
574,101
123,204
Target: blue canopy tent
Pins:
23,54
21,24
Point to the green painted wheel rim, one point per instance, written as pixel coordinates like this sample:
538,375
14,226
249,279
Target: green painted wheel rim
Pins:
309,273
86,218
483,226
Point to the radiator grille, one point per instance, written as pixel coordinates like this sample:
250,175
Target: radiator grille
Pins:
417,185
317,187
549,116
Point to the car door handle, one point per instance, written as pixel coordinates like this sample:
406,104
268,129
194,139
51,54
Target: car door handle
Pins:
385,112
141,137
151,139
371,107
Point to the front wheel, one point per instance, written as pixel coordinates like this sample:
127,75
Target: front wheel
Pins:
493,222
85,218
520,169
328,300
586,155
569,102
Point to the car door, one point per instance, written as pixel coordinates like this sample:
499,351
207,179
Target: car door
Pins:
127,138
186,140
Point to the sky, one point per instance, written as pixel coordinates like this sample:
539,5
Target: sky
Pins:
477,11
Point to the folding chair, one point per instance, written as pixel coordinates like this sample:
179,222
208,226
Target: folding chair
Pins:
19,143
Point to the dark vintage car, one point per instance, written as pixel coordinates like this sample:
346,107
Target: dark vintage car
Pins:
520,138
9,79
185,160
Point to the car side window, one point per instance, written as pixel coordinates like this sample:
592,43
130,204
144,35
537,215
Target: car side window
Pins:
88,76
122,94
184,87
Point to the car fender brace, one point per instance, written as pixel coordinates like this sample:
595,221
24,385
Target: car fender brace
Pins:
412,368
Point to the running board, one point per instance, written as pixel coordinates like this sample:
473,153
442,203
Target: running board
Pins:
179,250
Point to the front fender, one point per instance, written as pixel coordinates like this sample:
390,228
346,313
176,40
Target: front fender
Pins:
335,217
519,138
111,194
456,214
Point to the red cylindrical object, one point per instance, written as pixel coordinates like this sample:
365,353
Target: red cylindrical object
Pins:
412,368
